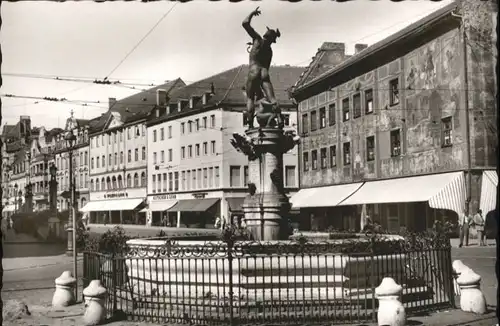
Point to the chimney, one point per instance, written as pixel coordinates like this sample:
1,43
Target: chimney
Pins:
161,97
334,47
111,101
359,47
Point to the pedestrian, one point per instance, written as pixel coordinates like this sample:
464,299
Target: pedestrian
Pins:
464,221
479,225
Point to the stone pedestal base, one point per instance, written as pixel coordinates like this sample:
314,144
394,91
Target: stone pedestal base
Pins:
265,216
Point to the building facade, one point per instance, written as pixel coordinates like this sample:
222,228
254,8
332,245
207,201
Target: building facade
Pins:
194,173
118,158
399,131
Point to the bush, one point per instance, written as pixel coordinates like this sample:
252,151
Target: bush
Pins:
113,241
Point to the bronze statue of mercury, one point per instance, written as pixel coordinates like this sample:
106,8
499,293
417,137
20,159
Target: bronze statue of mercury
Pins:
258,83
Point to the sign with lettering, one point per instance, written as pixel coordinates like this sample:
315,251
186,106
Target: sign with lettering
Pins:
116,195
165,197
200,195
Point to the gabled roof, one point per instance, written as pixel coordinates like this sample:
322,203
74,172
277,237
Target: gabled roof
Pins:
391,41
228,87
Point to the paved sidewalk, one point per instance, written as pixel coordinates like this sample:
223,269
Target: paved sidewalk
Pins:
19,263
473,243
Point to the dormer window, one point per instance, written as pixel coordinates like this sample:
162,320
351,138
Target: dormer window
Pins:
205,97
171,108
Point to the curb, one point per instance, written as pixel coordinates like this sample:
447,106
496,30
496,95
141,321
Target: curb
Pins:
79,259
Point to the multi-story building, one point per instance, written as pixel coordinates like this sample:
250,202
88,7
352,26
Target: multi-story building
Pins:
41,156
80,151
118,157
15,166
399,130
194,173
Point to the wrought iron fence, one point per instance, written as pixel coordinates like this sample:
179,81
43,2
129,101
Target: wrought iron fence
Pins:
253,283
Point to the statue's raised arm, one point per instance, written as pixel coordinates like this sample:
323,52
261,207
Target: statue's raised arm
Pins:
246,24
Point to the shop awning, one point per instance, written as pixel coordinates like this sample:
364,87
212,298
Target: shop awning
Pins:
488,201
323,196
235,204
112,205
9,208
159,206
194,205
443,191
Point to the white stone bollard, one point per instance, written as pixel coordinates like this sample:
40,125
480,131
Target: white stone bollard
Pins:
95,311
390,310
64,294
471,298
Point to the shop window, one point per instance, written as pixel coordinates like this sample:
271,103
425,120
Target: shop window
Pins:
234,176
332,114
370,148
347,153
333,156
314,159
394,91
314,120
395,142
323,158
446,127
345,109
305,161
368,101
290,176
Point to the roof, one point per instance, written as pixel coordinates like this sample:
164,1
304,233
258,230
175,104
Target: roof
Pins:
392,40
134,107
228,87
50,134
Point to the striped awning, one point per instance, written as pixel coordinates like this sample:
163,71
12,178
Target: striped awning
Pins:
112,205
194,205
159,206
443,191
489,185
323,196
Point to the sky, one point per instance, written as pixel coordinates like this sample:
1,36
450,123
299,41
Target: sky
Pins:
194,40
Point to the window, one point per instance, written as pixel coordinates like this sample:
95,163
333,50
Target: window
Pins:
345,109
97,162
290,176
137,134
121,157
154,136
356,105
204,123
120,134
109,139
129,130
81,157
305,123
197,125
217,177
120,182
322,118
114,137
183,128
395,142
212,145
200,179
370,148
190,151
212,121
103,161
170,155
162,157
245,175
92,163
170,181
129,180
446,128
197,150
193,173
369,101
305,158
158,186
176,181
154,183
314,159
323,158
188,180
347,153
205,148
183,152
143,153
164,182
234,176
136,177
205,177
210,177
154,158
190,126
169,131
162,133
333,156
183,182
110,159
136,152
314,120
129,156
394,91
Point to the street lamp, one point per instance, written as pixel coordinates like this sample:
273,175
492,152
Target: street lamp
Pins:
15,197
20,198
70,141
52,188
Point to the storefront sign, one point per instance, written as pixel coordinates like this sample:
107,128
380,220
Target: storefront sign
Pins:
116,195
200,195
164,197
